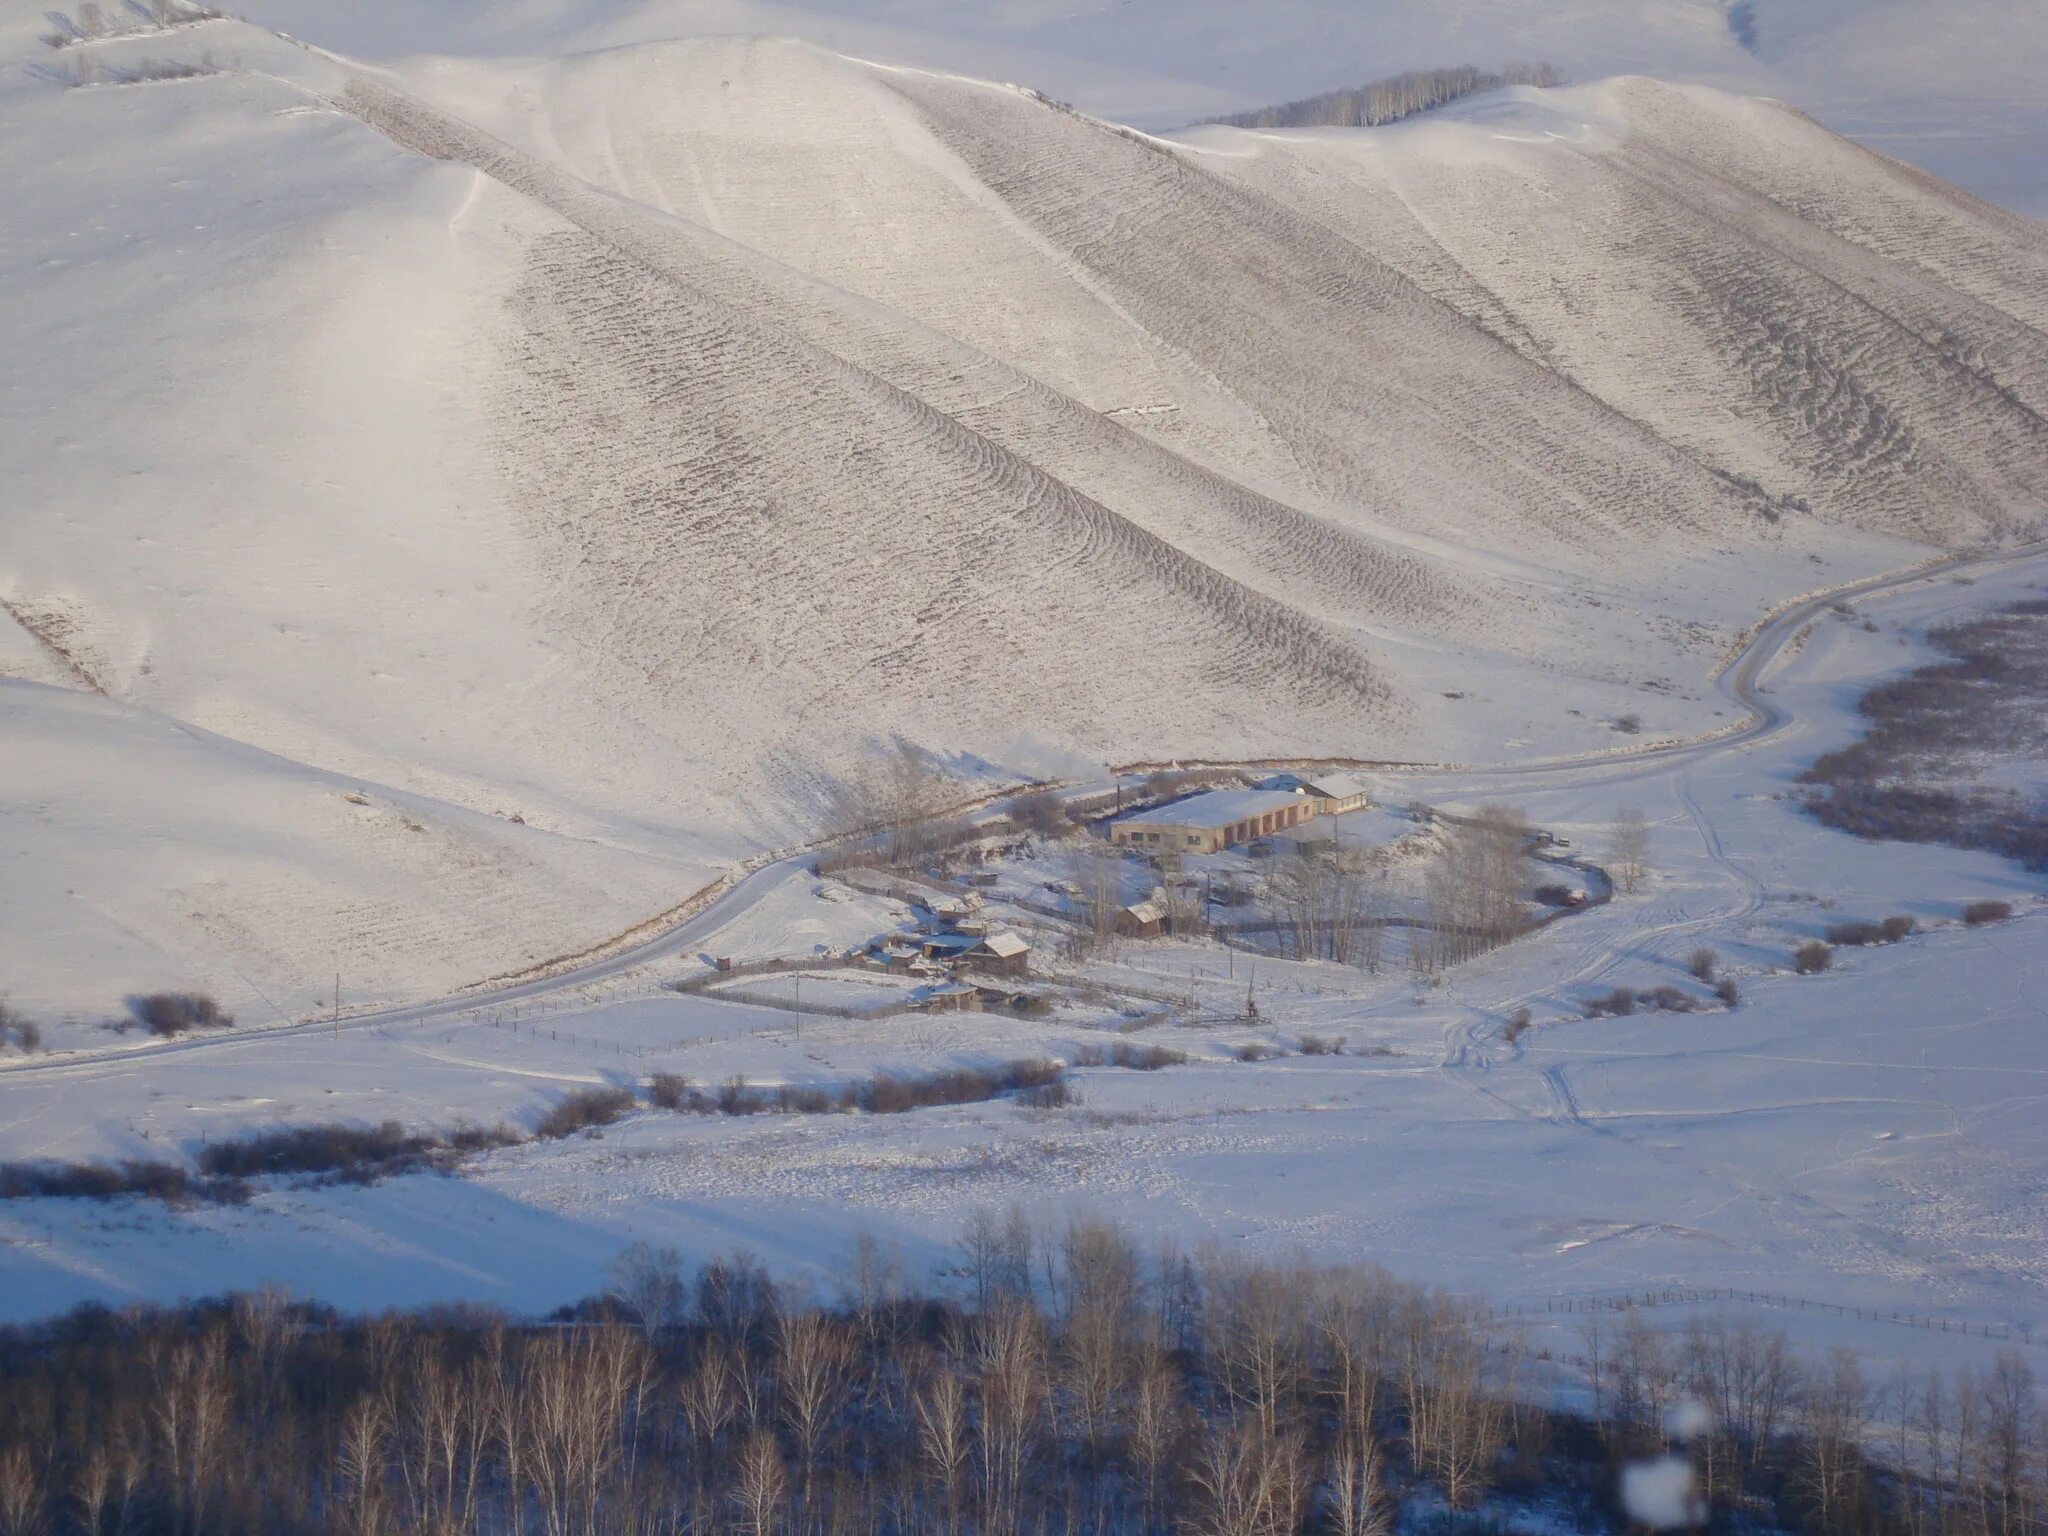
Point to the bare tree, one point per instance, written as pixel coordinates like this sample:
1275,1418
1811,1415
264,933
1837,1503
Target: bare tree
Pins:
814,1362
1628,848
1358,1504
940,1403
760,1485
647,1283
895,796
1832,1414
1246,1482
1011,1350
1097,873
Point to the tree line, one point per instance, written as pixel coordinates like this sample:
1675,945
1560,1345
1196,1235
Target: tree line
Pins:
1080,1383
1390,99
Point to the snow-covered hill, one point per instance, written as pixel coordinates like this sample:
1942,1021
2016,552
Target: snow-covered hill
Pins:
628,438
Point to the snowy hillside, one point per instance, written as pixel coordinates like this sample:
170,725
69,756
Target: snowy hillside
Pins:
626,439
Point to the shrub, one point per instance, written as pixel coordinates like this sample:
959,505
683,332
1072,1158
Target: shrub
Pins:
482,1138
1701,963
792,1100
1042,812
1619,1003
1138,1058
1854,935
735,1098
1666,999
1898,927
1321,1045
1518,1025
886,1095
1629,725
1812,957
1978,913
1726,990
1553,895
1034,1005
172,1013
668,1090
583,1109
1056,1095
1257,1050
1145,1058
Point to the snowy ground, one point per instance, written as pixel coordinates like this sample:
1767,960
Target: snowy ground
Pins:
582,441
1876,1137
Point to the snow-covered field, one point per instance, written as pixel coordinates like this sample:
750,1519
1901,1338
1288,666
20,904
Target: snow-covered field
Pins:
578,431
1874,1137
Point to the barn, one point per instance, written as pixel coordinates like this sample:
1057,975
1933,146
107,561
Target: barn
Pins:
1211,822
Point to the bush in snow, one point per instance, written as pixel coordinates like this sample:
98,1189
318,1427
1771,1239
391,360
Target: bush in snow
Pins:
582,1110
668,1090
172,1013
1812,957
1978,913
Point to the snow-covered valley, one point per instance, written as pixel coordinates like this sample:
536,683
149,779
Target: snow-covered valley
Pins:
481,481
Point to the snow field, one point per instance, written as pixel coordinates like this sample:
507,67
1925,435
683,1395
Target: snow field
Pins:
1869,1137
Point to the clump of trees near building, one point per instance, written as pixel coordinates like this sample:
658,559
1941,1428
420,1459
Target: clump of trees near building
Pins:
1392,98
1473,897
1081,1384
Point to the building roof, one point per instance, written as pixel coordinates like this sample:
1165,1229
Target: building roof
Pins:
1006,945
1339,786
1327,786
1150,910
1215,808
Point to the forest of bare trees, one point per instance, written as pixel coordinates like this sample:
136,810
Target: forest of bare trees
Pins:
1082,1384
1390,99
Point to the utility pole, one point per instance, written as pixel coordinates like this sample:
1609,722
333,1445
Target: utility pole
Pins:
337,1002
799,980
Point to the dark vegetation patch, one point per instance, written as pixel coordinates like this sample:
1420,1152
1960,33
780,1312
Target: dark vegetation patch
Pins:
1978,913
1813,957
303,1154
882,1094
149,1179
1909,778
172,1013
1135,1057
1390,99
349,1154
19,1028
1855,935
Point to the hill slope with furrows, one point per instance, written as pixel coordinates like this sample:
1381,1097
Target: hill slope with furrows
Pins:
1876,361
593,457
